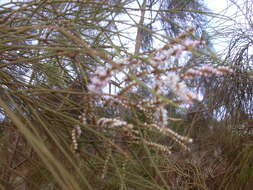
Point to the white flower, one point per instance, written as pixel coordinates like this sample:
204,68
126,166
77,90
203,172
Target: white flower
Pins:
191,43
101,72
180,88
99,80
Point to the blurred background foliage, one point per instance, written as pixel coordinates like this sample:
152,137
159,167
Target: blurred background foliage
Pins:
48,53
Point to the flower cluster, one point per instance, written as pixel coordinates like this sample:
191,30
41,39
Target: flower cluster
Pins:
172,81
102,76
157,146
174,48
168,51
99,80
161,115
172,134
154,107
112,123
206,71
76,133
82,119
134,134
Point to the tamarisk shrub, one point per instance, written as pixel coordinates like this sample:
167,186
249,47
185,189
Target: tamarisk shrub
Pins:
130,129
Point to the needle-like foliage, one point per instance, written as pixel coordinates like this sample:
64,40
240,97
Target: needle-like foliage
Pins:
107,95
